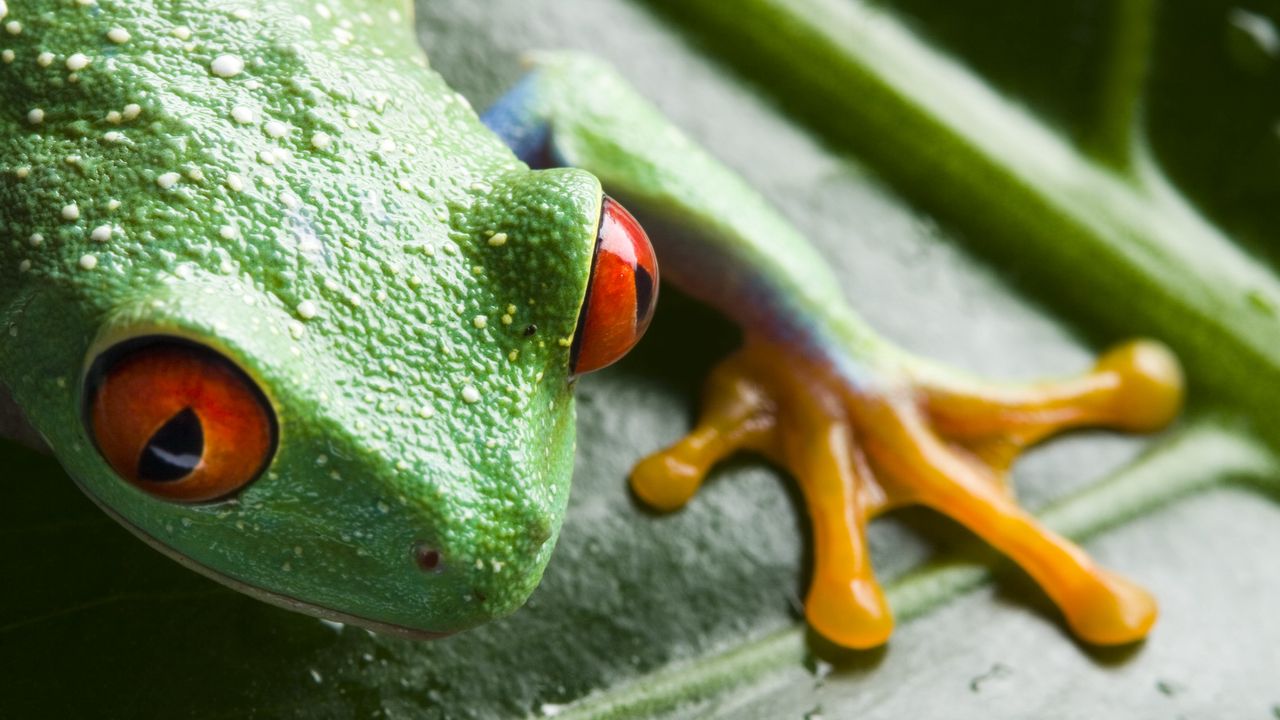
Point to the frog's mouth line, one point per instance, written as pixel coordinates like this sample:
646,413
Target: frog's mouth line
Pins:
278,599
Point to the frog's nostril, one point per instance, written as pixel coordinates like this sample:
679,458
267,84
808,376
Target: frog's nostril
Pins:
427,558
621,294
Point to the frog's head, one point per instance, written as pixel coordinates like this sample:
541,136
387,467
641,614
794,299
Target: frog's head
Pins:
392,446
341,382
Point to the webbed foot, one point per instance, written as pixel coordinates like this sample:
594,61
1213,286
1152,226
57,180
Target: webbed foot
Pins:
860,449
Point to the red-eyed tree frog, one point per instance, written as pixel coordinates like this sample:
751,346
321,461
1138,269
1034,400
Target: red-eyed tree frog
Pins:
288,309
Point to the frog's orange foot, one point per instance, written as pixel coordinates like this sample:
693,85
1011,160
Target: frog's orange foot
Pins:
859,449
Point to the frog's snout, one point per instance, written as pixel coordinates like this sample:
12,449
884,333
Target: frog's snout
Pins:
621,294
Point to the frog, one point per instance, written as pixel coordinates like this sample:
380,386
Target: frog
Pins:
285,306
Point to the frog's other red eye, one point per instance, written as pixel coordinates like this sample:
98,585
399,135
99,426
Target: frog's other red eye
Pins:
177,419
621,294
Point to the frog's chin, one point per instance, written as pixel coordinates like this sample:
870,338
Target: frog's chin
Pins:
278,599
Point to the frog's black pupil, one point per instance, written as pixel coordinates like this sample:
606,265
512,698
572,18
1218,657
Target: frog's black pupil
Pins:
174,451
644,293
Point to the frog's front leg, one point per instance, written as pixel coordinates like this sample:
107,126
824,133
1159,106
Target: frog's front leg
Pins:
863,426
858,452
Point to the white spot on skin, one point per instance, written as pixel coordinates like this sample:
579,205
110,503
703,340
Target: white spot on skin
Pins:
182,32
131,111
307,310
36,239
118,35
291,201
470,395
227,66
267,157
24,266
480,322
343,36
113,205
22,172
168,180
44,59
242,114
78,61
7,56
88,262
498,240
4,8
102,233
36,116
275,129
241,14
321,140
13,27
235,182
114,117
70,212
228,232
113,136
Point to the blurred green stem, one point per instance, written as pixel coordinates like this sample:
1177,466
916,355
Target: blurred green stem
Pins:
1118,253
1113,133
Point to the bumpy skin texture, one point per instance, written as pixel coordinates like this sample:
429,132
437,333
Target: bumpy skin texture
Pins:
322,218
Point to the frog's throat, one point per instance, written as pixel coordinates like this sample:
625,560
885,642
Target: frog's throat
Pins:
14,425
274,598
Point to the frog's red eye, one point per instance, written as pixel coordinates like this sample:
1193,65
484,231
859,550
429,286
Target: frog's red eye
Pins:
621,294
177,419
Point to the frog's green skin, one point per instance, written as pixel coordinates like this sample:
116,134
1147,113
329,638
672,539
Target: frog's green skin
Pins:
142,193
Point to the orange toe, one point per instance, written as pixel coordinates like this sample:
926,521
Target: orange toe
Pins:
1150,388
665,481
852,614
1114,611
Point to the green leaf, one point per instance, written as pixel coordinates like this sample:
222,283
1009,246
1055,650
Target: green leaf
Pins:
996,191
